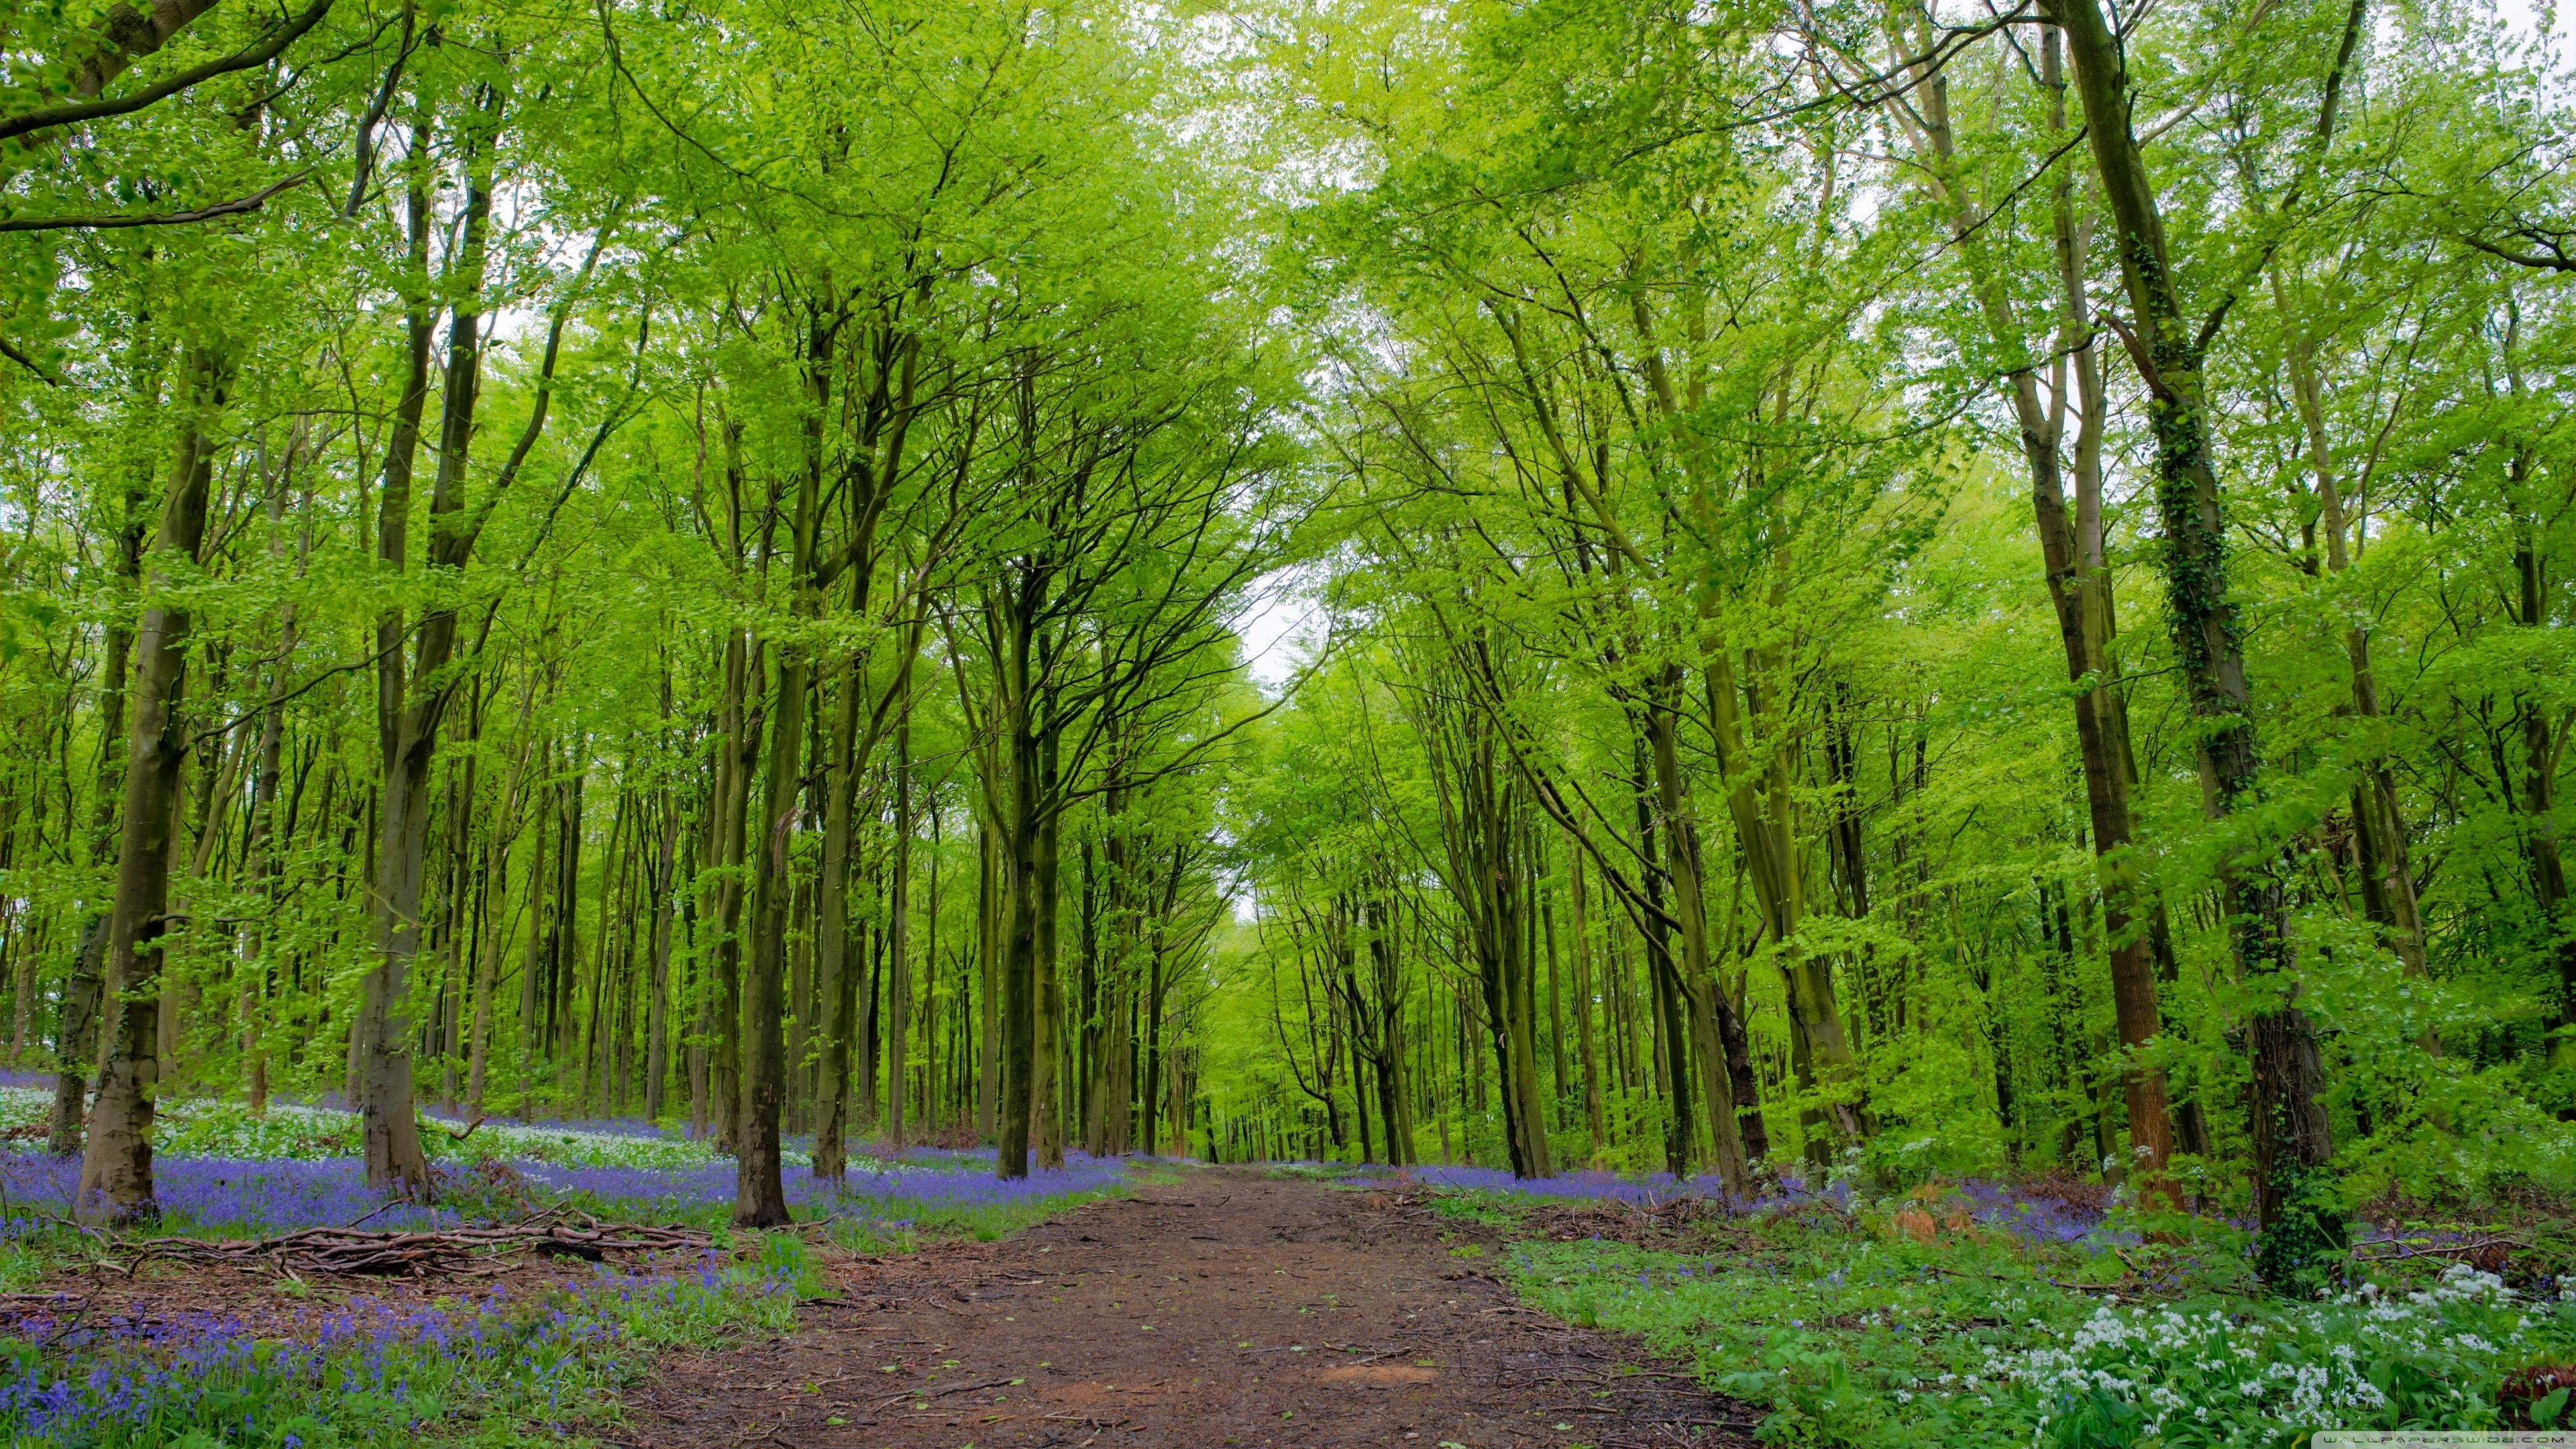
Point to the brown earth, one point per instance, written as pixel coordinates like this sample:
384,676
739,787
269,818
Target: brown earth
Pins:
1230,1309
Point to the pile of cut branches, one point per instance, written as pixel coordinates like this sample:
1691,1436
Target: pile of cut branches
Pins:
353,1250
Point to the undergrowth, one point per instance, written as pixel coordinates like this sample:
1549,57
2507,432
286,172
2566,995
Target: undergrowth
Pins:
1906,1323
490,1371
498,1373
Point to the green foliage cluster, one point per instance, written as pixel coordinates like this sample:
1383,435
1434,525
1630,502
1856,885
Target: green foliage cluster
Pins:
1861,1335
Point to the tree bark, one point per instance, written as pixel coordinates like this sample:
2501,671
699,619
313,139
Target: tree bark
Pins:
116,1168
1047,1047
2540,744
2292,1136
760,1192
1583,1004
77,1056
1699,981
990,904
2133,983
899,939
1020,847
657,1012
839,981
405,724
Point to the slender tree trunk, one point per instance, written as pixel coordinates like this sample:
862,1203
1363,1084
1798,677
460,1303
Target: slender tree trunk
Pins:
840,981
1019,984
990,904
1151,1102
742,755
929,970
1395,1098
487,966
261,850
1680,1135
2540,745
1587,1050
1046,1074
2133,983
760,1193
657,1011
408,702
541,885
1698,979
899,938
2379,828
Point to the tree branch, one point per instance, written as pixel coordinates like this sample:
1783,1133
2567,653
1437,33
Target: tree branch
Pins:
2562,261
29,363
47,118
239,206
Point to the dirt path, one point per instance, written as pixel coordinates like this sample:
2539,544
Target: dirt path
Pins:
1231,1309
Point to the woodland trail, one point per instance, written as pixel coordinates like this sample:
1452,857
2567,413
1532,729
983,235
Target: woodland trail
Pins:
1231,1308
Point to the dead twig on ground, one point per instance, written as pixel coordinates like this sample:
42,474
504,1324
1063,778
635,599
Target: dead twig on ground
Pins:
452,1250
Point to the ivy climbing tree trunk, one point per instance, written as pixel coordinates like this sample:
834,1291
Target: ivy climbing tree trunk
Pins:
2042,430
2292,1137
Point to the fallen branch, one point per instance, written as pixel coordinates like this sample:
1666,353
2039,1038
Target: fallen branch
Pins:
2405,1249
951,1389
351,1251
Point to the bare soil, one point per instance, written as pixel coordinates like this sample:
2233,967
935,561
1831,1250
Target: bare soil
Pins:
1230,1309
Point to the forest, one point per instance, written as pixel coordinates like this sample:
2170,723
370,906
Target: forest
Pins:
1871,620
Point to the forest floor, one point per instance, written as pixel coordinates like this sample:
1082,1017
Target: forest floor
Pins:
1230,1308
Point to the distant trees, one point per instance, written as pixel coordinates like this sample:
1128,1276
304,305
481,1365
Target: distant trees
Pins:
1688,364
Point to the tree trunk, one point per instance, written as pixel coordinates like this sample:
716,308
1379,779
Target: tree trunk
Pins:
2292,1136
733,785
1019,984
76,1055
899,939
990,905
261,850
657,1011
832,948
1395,1104
2133,983
2379,828
116,1169
487,967
408,701
1587,1050
1047,1048
1699,982
760,1192
2539,779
